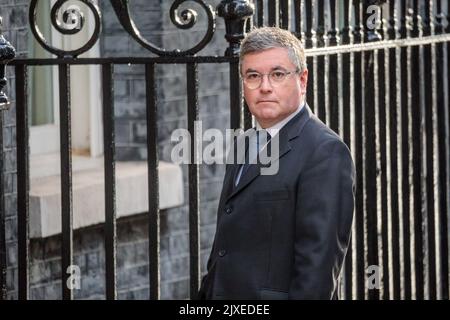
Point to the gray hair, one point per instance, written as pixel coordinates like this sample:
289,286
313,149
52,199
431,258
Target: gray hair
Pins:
264,38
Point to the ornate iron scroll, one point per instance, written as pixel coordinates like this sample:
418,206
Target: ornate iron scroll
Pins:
72,22
185,20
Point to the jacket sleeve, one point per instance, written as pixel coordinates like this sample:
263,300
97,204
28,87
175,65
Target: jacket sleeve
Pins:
324,215
203,285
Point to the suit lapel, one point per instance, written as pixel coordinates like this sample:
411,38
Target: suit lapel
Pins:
289,132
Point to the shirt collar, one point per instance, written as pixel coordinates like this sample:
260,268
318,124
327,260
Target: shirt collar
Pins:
273,130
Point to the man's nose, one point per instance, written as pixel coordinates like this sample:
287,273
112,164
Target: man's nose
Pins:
265,84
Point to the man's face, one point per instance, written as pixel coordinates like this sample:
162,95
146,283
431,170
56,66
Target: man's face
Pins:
271,104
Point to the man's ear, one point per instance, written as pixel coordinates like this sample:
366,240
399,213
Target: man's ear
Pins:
303,77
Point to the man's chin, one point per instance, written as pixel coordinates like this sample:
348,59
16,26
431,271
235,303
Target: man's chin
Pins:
267,121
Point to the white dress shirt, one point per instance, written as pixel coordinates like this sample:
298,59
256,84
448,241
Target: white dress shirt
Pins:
273,131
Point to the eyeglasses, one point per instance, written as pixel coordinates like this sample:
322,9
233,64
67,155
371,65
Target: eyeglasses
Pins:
253,80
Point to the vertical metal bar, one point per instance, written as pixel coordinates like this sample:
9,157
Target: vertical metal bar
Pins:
260,12
333,83
321,75
308,13
23,182
404,125
370,169
359,105
320,27
347,112
333,37
346,32
447,160
273,13
236,97
298,18
429,111
332,105
383,140
194,190
3,265
285,14
444,160
419,189
309,43
153,181
110,181
393,115
248,120
438,169
66,178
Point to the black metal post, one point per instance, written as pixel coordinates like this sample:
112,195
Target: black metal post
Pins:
395,143
110,181
358,85
153,182
236,14
66,179
194,180
370,137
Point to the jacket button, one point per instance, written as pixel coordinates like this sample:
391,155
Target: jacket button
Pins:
222,253
228,210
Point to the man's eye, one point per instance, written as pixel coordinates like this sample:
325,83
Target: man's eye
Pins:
253,76
278,75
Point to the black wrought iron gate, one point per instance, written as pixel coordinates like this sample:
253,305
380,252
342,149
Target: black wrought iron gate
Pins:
378,76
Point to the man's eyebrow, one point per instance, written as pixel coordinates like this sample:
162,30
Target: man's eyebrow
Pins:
250,70
278,68
274,68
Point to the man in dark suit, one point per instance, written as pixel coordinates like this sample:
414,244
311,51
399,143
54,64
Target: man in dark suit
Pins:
282,235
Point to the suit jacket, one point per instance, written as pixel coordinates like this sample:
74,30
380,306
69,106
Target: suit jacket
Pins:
285,236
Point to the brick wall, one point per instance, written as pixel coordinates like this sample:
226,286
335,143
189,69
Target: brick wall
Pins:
152,18
15,19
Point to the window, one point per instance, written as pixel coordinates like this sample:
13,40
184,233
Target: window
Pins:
44,93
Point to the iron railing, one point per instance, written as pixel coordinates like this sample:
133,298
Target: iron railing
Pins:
382,87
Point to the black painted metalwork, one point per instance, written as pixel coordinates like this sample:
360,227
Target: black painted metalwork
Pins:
443,150
110,181
346,120
273,13
429,111
194,179
393,113
66,26
188,20
235,14
359,106
153,181
405,124
23,181
3,263
66,180
371,169
386,101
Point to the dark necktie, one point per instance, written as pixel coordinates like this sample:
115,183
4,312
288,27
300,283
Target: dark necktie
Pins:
262,137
